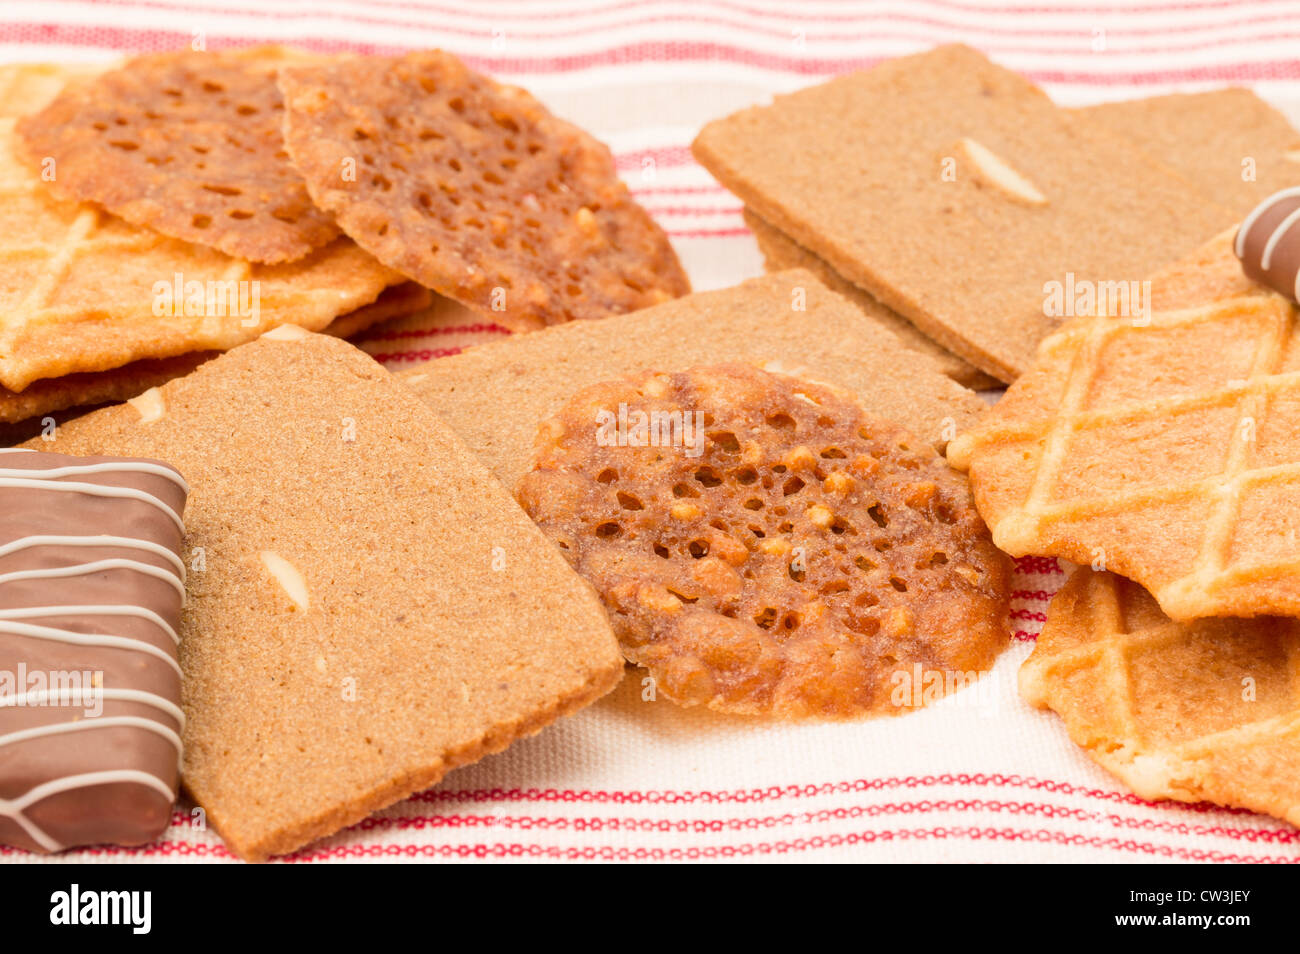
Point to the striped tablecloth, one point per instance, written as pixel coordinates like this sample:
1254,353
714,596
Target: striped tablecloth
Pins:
979,777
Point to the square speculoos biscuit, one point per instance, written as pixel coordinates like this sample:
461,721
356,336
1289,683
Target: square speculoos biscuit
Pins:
898,178
373,608
497,395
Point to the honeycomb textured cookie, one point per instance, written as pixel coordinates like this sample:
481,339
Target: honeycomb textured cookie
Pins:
1163,449
475,190
1203,711
189,144
785,554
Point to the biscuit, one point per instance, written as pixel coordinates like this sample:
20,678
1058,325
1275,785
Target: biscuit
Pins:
188,144
954,191
369,609
1164,450
88,388
28,87
1203,711
91,586
764,547
84,291
780,252
496,394
474,190
1228,143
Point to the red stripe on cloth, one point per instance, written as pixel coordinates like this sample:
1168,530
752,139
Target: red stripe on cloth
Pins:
416,357
1279,836
126,38
932,29
491,328
808,790
1037,564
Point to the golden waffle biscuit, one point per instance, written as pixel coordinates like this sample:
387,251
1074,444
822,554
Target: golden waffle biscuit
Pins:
780,252
118,384
27,87
765,547
1204,711
475,190
84,291
189,144
1162,447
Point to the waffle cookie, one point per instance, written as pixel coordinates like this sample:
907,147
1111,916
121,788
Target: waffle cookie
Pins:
1203,711
495,395
953,191
188,144
1163,451
408,617
474,190
765,547
1233,147
780,252
84,291
51,395
91,586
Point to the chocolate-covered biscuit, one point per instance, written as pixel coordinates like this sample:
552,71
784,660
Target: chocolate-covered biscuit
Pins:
91,589
1268,243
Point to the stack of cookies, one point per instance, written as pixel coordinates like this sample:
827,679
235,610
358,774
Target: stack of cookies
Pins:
303,588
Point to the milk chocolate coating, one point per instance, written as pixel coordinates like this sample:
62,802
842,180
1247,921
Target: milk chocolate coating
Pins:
120,811
1274,221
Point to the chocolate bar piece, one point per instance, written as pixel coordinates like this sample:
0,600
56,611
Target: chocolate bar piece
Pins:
91,589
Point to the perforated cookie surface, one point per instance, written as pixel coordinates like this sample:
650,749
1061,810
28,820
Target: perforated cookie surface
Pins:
764,547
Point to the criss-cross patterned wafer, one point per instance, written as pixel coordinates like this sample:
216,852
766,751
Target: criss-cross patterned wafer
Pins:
27,87
87,388
81,290
1160,445
1203,711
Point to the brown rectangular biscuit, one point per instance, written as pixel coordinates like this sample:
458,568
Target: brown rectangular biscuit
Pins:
780,252
1236,149
497,394
371,608
953,191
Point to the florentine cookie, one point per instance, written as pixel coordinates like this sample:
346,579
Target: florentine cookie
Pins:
27,87
475,190
1164,450
408,617
91,587
763,546
1203,711
496,394
188,144
780,252
954,192
1228,143
82,290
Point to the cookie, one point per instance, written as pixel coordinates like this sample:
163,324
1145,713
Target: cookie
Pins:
28,87
954,192
409,618
780,252
496,394
88,388
1228,143
84,291
1203,711
91,587
1268,244
764,546
474,190
188,144
1162,450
